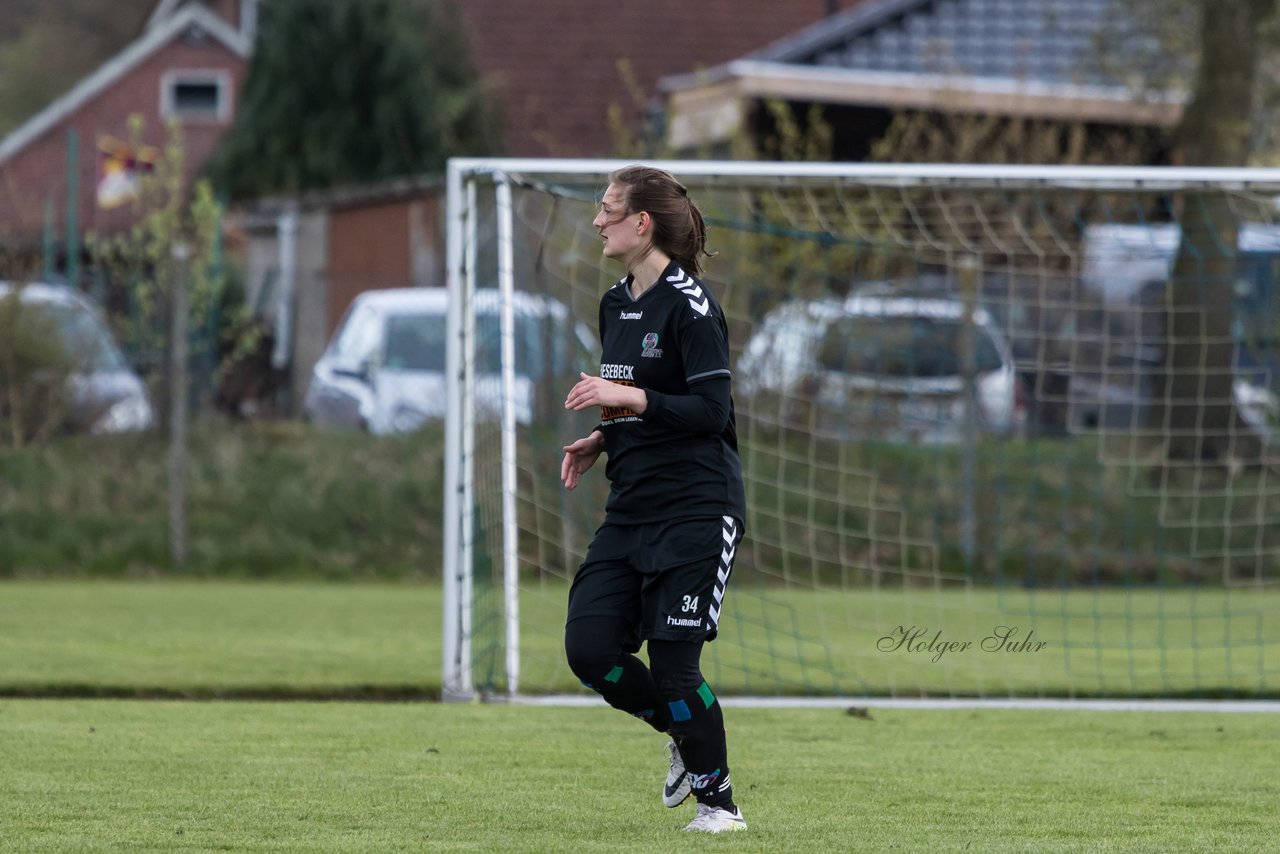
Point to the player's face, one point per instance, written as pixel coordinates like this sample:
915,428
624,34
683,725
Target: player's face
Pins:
619,230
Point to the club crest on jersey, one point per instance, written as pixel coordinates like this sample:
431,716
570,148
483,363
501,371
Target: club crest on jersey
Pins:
649,347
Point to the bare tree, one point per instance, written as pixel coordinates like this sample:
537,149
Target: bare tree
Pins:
1216,130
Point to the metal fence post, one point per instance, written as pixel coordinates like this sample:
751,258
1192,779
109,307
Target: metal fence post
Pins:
178,408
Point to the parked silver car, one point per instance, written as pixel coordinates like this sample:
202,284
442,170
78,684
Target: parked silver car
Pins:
879,368
1121,397
103,394
383,370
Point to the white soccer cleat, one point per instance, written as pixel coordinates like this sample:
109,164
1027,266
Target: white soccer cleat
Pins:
677,787
717,819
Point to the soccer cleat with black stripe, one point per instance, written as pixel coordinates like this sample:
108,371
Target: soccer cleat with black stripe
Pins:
677,787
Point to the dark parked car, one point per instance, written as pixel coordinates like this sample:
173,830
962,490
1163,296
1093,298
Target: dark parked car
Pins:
103,394
879,367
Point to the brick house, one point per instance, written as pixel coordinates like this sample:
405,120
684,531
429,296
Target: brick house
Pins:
554,67
558,66
186,65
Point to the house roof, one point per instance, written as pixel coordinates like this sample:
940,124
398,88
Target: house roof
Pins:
914,90
1014,57
162,10
243,13
263,212
152,40
1046,41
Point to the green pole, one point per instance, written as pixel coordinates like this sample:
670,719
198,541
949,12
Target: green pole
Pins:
217,273
73,207
48,237
217,259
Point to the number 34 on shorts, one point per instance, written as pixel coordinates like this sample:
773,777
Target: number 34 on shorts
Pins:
685,613
695,592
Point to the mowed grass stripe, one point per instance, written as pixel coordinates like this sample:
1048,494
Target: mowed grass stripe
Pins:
314,640
354,777
220,638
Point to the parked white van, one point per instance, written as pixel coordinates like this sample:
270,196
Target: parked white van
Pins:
384,369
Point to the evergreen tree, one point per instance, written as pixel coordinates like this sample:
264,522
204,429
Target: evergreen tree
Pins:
352,91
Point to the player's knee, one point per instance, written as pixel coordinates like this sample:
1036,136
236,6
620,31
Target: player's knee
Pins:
588,658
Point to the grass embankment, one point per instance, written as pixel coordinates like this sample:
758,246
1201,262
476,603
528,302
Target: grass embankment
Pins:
1088,510
870,549
282,500
272,500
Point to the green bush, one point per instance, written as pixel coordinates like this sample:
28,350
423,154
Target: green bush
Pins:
34,367
265,500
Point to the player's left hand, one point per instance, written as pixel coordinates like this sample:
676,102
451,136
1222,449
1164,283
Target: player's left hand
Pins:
596,391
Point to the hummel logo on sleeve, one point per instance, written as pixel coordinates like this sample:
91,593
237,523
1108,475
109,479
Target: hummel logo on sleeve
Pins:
687,286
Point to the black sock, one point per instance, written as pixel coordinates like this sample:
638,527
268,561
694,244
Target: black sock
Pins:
697,722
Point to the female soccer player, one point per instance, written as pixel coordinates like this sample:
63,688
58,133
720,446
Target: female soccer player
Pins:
658,566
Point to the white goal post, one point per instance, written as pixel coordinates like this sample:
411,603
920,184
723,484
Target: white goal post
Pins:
965,397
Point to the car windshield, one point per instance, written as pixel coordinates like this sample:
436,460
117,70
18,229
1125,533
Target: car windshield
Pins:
544,345
415,342
357,340
86,340
903,346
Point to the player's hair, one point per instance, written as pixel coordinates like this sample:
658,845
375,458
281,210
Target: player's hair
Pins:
678,227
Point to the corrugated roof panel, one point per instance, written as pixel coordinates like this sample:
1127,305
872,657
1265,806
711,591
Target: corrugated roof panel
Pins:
1050,41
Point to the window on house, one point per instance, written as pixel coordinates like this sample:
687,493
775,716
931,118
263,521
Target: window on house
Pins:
196,96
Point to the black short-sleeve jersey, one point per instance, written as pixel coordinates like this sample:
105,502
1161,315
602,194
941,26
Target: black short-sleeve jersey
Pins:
668,341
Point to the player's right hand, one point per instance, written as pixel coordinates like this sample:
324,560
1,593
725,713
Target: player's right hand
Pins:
579,457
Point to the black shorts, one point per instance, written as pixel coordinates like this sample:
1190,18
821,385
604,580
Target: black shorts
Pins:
666,578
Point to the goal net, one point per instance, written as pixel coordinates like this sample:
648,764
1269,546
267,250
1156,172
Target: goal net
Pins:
1005,431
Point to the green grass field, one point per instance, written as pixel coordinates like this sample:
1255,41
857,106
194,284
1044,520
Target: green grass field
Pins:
1108,642
346,777
346,640
218,638
83,773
